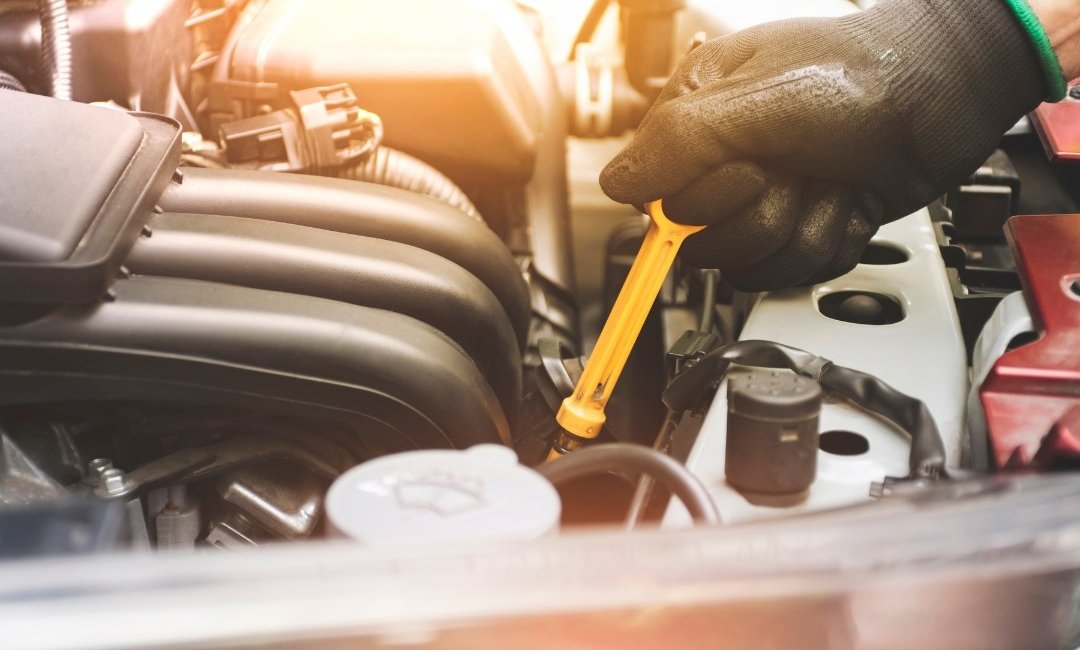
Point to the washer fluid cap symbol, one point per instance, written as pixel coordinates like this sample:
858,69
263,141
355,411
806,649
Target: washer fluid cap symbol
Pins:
441,493
439,496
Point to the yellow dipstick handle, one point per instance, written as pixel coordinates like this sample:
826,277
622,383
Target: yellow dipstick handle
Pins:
582,414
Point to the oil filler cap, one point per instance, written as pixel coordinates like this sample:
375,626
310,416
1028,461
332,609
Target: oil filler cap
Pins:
481,494
772,433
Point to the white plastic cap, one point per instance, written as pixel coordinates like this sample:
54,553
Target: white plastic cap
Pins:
480,494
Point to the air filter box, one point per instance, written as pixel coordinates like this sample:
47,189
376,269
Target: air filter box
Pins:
457,83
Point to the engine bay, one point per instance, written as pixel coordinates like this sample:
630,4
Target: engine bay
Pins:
293,273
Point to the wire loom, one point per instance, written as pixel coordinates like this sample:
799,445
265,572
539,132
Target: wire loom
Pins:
927,458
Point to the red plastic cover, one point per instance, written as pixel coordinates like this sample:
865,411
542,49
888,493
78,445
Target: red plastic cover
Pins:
1032,387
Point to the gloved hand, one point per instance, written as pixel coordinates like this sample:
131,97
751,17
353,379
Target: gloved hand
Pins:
795,140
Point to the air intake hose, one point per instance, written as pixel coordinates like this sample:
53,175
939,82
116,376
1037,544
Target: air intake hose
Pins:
386,166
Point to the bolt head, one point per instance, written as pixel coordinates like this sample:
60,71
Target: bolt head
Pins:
99,465
95,468
114,482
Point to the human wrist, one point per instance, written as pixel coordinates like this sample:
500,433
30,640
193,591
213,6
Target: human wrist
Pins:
980,45
1061,21
1039,40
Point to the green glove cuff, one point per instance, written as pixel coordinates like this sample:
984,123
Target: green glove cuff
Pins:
1048,61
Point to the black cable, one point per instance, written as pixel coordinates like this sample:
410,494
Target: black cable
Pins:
644,490
56,47
589,25
623,456
927,458
711,278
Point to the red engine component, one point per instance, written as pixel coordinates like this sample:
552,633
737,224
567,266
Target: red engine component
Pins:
1032,388
1058,126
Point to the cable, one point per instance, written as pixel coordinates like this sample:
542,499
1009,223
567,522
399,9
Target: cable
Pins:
589,25
927,458
56,47
711,278
623,456
644,490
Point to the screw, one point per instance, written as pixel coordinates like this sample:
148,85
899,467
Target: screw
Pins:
114,482
1074,92
1074,286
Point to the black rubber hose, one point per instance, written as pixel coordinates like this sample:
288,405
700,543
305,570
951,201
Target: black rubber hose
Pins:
616,457
8,81
56,47
927,458
387,166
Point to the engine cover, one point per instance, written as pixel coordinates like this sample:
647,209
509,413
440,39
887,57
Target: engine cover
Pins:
457,84
920,353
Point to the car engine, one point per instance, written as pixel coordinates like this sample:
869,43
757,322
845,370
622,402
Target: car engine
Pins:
283,273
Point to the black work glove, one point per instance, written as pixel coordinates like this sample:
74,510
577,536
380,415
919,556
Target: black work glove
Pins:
795,140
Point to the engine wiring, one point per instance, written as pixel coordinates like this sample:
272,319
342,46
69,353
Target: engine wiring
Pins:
927,458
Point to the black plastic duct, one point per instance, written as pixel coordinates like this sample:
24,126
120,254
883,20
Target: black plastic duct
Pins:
361,209
169,340
349,268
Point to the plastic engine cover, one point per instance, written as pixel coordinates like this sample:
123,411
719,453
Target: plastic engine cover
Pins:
77,184
921,354
454,82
